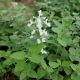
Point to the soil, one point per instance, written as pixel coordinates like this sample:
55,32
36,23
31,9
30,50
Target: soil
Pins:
9,76
25,1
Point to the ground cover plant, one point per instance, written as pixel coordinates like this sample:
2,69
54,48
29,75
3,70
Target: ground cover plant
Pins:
45,46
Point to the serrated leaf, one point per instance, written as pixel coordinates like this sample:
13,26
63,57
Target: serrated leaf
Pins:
58,24
46,67
35,58
18,55
67,70
34,55
35,49
23,75
76,68
74,76
55,76
41,73
30,71
57,30
66,67
66,63
4,54
54,64
20,66
74,54
32,74
67,21
7,62
63,43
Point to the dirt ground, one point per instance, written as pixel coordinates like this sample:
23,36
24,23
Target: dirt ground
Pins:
26,1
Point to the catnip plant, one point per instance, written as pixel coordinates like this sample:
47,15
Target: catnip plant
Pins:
25,40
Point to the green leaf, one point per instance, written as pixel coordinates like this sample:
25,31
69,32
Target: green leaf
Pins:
67,21
41,73
7,62
66,67
52,57
55,76
74,54
54,64
49,70
30,71
34,55
74,76
35,58
56,30
46,67
23,75
63,43
20,55
35,49
67,70
32,74
66,63
4,54
20,66
76,68
58,24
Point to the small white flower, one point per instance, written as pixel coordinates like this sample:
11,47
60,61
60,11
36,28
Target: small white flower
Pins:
30,23
47,23
44,18
43,51
40,13
41,32
33,32
31,37
43,40
39,22
38,41
45,33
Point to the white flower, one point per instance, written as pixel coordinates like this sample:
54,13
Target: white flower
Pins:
38,41
30,23
43,51
43,36
40,13
33,32
47,23
31,37
44,17
41,32
39,22
45,33
43,40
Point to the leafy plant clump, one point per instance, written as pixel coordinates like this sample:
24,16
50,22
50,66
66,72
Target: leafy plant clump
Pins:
23,41
45,47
